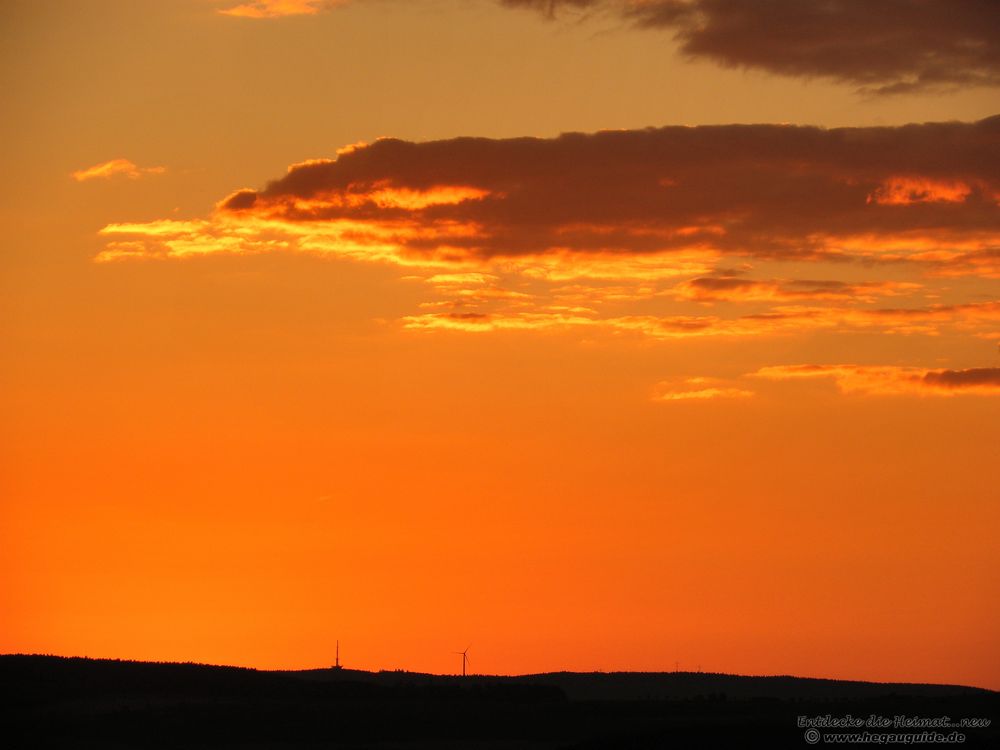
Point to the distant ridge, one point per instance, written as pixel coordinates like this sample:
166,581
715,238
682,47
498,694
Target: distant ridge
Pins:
673,685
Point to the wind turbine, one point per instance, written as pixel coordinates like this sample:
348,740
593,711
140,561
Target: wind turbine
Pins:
465,658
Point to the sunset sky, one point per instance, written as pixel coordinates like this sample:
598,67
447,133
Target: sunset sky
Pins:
593,334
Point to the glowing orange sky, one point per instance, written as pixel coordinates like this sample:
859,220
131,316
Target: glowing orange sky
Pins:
316,328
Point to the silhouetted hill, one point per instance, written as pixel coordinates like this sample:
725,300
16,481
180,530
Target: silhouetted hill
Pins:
50,701
680,685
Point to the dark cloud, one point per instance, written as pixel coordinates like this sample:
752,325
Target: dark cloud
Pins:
883,46
240,200
764,190
974,378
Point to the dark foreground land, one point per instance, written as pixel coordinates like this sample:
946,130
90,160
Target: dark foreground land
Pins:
83,703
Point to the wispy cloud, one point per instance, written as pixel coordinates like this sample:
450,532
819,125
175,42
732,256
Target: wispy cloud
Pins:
698,389
893,381
775,321
115,168
278,8
855,380
729,288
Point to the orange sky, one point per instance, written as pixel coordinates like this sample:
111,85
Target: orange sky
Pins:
316,327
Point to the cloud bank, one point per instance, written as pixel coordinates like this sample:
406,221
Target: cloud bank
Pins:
885,47
736,232
655,201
